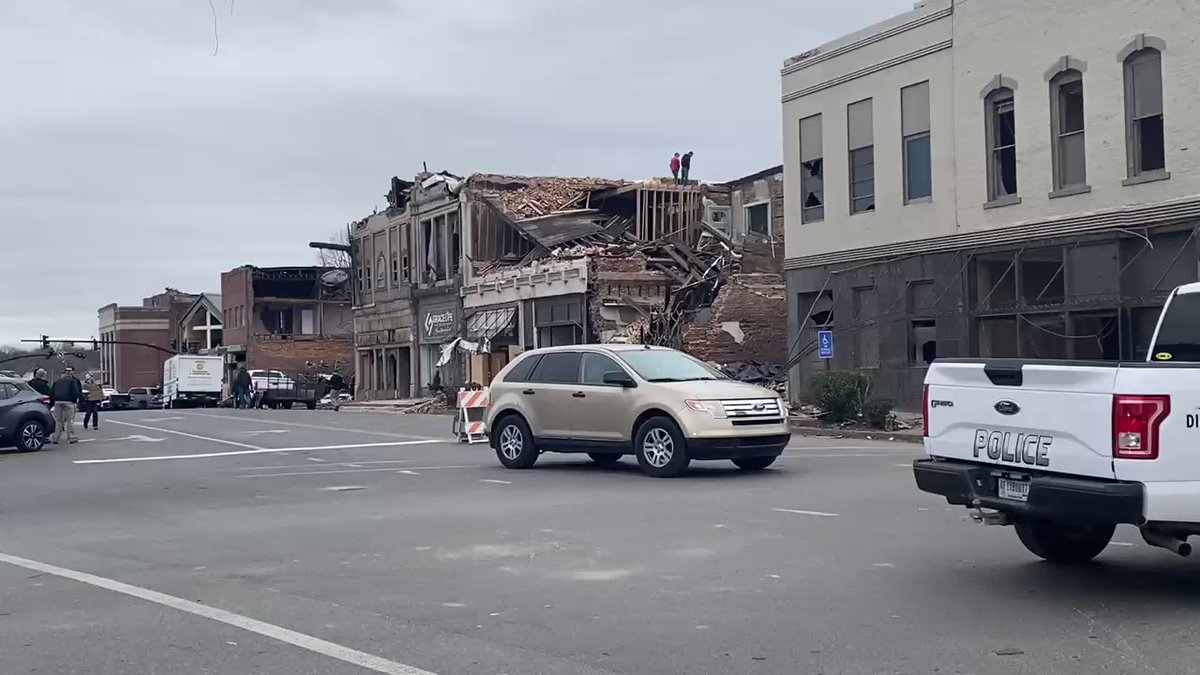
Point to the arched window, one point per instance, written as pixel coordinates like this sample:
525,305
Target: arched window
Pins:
1144,130
1001,121
1067,129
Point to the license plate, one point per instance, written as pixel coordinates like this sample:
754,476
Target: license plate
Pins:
1016,490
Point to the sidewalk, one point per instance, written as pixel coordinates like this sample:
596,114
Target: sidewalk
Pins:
396,405
804,426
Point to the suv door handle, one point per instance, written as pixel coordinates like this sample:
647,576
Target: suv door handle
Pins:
529,392
579,394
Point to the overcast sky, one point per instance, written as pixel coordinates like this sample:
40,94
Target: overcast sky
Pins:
133,158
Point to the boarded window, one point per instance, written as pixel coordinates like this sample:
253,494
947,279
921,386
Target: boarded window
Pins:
1042,278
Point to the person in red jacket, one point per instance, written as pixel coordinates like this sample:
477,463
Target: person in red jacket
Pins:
675,168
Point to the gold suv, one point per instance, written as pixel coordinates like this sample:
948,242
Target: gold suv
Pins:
658,404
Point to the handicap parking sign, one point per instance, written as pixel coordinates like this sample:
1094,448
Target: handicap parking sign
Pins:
825,344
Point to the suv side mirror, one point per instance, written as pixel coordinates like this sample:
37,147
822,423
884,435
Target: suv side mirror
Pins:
619,378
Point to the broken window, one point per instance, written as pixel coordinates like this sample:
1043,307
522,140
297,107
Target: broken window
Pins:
278,321
914,122
432,259
455,243
995,281
1095,336
812,171
758,219
922,342
1044,336
998,337
1144,112
381,272
1042,278
1066,110
862,156
1002,144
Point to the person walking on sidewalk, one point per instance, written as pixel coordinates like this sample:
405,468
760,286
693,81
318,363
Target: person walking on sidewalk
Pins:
685,167
242,384
91,402
64,400
675,168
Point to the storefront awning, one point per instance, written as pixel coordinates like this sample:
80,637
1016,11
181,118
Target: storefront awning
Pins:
487,324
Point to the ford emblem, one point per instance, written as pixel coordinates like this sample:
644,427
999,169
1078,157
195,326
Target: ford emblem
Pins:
1007,408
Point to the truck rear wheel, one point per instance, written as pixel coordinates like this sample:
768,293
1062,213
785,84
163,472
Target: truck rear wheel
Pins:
1064,543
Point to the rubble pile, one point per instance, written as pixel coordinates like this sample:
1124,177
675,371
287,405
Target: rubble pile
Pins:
533,196
438,405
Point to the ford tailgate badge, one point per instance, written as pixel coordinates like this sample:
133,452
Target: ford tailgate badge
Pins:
1007,408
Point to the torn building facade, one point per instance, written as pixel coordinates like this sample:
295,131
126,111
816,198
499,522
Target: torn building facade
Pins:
501,264
292,319
962,200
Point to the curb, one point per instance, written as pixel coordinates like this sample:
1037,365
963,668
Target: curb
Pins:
871,435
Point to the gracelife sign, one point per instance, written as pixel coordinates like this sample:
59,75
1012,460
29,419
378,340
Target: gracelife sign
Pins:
439,325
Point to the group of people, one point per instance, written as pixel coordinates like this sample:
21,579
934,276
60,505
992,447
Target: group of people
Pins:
68,395
681,166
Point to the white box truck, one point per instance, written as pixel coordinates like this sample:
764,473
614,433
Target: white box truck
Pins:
191,381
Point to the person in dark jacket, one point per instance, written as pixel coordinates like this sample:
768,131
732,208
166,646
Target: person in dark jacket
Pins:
39,383
64,399
685,166
242,383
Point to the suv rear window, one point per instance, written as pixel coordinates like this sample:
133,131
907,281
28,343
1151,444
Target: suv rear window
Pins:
1179,334
557,368
521,370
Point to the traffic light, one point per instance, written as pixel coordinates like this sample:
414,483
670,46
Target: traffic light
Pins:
45,342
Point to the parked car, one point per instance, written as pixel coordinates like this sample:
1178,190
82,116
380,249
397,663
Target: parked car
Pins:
280,390
25,420
1066,450
114,400
145,397
658,404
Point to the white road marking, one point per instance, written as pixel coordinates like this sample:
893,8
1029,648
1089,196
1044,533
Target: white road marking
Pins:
139,438
275,422
344,488
159,419
1119,543
498,482
313,644
257,432
357,465
884,565
323,473
807,513
409,472
255,451
187,435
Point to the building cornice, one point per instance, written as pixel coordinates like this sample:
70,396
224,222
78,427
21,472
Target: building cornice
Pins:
821,57
869,70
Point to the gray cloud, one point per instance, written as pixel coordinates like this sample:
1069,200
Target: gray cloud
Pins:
135,159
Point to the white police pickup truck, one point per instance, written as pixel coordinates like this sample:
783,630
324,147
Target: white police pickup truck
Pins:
1066,450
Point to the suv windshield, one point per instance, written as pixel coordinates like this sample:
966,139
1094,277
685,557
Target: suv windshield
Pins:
656,365
1179,334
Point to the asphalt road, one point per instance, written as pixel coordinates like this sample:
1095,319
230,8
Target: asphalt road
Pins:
296,542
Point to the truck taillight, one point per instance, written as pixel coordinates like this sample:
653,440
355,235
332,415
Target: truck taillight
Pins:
1135,423
925,412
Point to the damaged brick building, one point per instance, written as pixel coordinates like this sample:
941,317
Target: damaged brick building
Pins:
292,319
459,275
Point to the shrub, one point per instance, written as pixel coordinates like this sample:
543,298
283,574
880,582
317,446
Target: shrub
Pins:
839,394
877,412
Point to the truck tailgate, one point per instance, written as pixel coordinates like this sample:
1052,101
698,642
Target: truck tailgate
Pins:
1054,416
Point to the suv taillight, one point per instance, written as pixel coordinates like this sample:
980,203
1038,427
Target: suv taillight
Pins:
1135,423
925,412
45,400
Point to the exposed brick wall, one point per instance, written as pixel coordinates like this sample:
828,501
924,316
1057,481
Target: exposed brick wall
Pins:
235,301
138,366
754,305
295,354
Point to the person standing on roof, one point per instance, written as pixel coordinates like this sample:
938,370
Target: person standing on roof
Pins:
685,166
675,168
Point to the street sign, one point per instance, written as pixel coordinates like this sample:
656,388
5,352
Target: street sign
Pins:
825,344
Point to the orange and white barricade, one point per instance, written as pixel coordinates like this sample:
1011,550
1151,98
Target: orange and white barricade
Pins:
472,405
